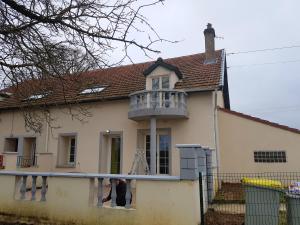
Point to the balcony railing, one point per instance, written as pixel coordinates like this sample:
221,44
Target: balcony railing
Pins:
25,162
161,103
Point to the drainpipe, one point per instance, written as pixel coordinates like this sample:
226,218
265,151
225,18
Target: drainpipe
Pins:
153,146
216,136
47,132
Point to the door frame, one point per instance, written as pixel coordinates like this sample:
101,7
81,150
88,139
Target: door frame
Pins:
107,149
159,131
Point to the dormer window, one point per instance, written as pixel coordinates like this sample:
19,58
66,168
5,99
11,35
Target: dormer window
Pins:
162,75
162,82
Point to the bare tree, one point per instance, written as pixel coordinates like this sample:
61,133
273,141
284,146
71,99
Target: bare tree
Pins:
50,39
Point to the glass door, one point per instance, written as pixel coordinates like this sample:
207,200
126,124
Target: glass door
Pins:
163,149
115,162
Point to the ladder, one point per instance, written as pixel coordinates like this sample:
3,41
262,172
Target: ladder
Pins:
140,162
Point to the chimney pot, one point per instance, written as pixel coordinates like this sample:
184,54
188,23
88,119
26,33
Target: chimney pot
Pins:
209,34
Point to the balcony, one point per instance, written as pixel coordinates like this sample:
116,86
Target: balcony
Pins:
158,103
25,162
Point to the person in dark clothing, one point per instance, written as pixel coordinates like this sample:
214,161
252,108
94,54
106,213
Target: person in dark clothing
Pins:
121,193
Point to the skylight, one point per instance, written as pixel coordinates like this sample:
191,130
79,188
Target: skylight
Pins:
92,90
35,97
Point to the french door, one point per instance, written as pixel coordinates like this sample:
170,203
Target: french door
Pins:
163,148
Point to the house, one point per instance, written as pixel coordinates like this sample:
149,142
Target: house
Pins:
143,109
150,106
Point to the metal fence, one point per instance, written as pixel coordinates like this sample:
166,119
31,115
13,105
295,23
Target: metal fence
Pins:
249,198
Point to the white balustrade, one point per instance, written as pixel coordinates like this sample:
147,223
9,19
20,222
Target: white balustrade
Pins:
158,103
114,179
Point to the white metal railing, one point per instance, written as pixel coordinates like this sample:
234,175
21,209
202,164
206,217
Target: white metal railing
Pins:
113,178
150,99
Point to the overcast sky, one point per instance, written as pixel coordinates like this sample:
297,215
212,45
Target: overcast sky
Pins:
270,91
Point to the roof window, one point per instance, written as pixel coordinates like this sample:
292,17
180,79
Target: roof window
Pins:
92,90
4,95
36,96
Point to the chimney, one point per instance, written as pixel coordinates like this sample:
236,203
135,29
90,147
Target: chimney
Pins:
209,34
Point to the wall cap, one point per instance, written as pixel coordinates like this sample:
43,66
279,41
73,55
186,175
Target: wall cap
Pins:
92,175
188,146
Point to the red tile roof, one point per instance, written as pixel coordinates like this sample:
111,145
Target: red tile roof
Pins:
119,82
269,123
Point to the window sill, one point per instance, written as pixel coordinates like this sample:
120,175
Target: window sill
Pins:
45,153
10,153
65,166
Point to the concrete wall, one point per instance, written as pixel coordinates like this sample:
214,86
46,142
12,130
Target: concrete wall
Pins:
240,137
113,116
158,202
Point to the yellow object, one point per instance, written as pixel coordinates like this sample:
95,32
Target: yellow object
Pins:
262,182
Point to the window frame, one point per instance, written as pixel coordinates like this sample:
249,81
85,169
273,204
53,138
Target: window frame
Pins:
160,82
270,156
69,150
65,163
158,134
16,147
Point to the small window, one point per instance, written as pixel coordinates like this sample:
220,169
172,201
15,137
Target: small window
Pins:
92,90
165,83
11,145
155,83
72,146
270,157
66,151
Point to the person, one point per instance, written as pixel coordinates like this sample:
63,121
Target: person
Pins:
121,193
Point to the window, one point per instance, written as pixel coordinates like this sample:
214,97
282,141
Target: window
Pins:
11,145
165,83
72,146
36,97
66,156
92,90
164,149
270,156
155,83
162,82
162,153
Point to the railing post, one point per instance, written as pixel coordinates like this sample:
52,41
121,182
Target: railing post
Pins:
181,105
128,194
44,189
172,99
33,188
100,192
176,99
148,99
23,187
113,193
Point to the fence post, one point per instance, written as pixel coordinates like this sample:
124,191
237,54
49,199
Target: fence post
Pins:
201,199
